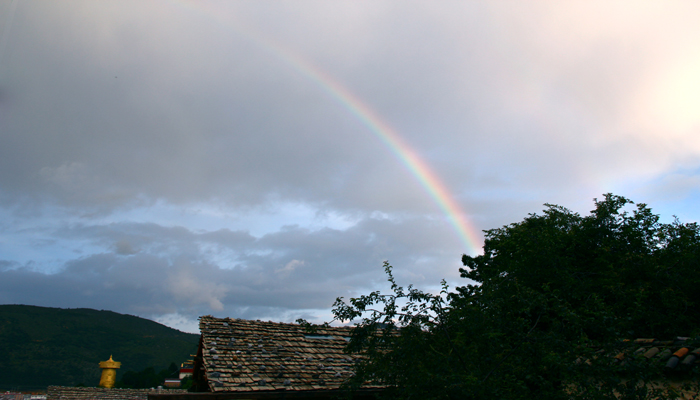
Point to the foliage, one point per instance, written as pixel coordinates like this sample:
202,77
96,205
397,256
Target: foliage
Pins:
148,378
187,383
548,304
41,346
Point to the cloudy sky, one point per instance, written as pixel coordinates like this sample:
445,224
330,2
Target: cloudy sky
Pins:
257,159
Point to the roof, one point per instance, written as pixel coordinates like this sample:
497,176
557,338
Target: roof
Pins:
241,356
97,393
677,355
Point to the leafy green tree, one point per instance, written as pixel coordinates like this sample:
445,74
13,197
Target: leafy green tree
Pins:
147,378
550,301
186,383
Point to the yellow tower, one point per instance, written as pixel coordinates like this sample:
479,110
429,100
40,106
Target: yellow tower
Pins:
109,372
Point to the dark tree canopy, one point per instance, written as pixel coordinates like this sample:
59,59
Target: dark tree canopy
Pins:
148,378
627,264
550,301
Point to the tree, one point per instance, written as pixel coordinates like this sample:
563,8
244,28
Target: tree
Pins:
550,300
148,378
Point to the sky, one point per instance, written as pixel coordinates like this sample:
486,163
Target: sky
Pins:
257,159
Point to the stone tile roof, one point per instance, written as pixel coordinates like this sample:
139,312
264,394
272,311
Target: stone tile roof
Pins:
11,396
238,355
678,355
97,393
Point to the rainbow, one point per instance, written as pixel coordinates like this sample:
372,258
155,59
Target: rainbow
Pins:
468,235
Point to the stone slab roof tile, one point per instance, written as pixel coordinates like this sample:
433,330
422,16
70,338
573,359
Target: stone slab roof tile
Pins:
242,355
680,354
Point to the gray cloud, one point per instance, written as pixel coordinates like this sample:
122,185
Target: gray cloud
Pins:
182,158
176,270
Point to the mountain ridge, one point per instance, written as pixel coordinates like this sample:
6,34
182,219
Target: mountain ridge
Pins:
42,346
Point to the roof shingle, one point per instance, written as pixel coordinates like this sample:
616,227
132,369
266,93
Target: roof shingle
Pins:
241,355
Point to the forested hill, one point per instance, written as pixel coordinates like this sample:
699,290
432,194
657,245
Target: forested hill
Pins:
41,346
